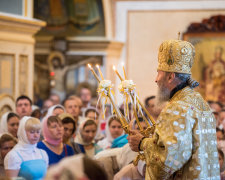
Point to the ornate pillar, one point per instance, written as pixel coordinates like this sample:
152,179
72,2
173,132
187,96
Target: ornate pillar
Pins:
17,54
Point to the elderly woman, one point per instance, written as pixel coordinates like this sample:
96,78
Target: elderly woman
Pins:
25,159
9,123
85,138
52,130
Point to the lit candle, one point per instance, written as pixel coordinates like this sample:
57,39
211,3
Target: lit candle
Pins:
125,77
100,72
92,70
114,68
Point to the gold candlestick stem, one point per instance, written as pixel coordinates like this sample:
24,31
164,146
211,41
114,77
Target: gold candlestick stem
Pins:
137,120
114,68
146,121
122,119
100,72
146,111
125,77
92,70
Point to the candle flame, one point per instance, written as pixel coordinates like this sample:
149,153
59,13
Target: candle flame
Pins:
89,66
122,63
97,66
114,68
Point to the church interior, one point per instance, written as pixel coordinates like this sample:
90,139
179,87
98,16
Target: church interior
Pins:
46,46
34,34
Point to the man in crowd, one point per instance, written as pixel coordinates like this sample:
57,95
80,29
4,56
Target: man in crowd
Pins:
150,106
183,145
55,98
72,106
23,106
85,96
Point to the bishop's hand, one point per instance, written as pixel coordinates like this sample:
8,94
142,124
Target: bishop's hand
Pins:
134,140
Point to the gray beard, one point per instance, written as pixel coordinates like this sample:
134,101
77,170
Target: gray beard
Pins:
163,95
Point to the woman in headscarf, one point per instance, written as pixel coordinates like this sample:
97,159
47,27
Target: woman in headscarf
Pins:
92,113
54,111
7,142
113,130
9,123
25,159
85,138
52,130
69,125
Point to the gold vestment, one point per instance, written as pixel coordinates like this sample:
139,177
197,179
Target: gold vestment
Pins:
184,143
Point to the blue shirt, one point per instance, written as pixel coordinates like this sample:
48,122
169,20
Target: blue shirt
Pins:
33,169
53,157
120,141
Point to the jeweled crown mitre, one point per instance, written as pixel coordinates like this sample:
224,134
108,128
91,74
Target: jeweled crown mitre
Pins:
176,56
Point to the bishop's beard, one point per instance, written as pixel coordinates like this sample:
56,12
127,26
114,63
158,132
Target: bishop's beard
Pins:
163,95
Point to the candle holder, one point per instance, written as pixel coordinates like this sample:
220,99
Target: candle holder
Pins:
127,88
105,91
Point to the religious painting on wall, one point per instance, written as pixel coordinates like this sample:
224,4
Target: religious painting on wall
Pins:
209,64
7,75
70,17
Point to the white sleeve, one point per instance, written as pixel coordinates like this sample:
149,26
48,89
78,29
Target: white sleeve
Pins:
45,156
141,167
12,161
104,144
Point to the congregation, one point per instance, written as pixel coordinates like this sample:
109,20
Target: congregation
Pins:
36,141
33,138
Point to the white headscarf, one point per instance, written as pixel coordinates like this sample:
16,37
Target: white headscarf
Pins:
79,139
22,135
4,123
98,133
107,141
44,126
51,109
50,112
107,132
66,165
34,107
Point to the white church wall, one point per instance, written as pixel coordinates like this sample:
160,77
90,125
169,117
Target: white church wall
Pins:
143,25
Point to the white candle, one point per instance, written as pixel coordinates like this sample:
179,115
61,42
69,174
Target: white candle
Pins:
125,77
92,70
114,68
100,72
